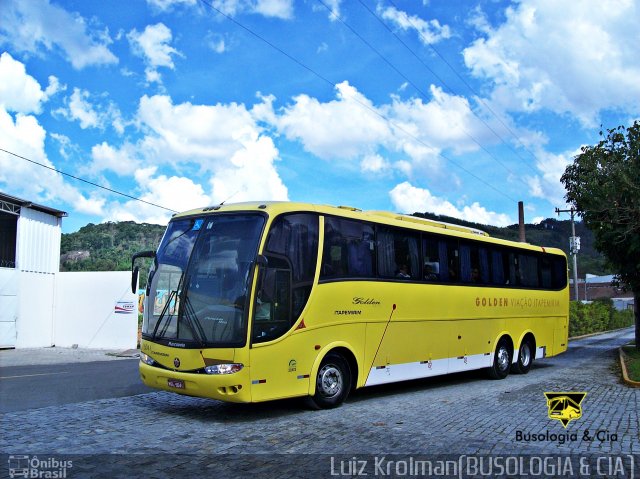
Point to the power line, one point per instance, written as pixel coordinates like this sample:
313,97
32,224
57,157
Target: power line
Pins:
424,95
86,181
435,50
362,104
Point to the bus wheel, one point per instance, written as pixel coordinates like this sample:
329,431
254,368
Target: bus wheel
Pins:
333,382
501,360
525,357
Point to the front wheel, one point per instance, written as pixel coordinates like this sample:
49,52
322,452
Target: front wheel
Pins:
501,360
333,382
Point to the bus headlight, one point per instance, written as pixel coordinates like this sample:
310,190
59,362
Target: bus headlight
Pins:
223,368
147,359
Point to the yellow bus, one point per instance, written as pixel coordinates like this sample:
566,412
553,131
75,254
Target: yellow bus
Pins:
252,302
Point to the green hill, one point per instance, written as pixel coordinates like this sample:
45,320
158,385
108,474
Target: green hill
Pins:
109,246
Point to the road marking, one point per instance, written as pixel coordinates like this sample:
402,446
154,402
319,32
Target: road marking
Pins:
31,375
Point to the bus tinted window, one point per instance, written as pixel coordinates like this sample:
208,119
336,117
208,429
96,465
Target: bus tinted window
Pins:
527,271
440,259
349,249
452,255
431,258
398,254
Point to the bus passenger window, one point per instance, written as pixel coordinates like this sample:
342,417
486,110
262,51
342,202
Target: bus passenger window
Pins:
349,249
453,256
469,270
528,271
431,266
398,254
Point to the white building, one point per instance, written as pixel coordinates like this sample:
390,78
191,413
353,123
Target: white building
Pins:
29,262
42,307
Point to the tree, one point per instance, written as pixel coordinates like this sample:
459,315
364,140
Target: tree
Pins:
603,185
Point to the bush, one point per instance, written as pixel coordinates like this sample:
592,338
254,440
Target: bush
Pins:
596,317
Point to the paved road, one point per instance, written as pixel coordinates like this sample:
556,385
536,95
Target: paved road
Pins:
455,415
28,387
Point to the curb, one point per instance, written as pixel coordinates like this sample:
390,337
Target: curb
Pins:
625,375
599,332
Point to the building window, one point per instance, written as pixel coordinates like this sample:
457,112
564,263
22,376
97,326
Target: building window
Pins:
8,233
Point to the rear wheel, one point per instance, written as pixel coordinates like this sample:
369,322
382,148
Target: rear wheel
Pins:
333,382
501,360
525,357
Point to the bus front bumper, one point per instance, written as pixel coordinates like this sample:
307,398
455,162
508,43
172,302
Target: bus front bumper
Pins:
224,387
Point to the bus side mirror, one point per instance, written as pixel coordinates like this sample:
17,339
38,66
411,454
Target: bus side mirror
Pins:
134,279
135,271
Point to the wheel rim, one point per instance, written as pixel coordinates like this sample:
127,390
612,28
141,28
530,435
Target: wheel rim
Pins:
525,354
503,358
329,381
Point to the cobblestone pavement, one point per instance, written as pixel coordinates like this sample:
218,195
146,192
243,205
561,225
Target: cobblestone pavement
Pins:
465,414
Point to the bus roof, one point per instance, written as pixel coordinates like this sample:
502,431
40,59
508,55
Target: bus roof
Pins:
274,208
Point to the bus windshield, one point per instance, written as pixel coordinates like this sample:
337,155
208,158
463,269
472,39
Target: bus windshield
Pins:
200,283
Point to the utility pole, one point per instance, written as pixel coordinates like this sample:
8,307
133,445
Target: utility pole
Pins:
574,247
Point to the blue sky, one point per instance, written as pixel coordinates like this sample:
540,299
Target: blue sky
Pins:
459,108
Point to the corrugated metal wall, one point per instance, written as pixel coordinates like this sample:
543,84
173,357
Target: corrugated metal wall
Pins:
38,243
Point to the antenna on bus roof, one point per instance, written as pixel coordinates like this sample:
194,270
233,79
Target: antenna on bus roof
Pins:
224,201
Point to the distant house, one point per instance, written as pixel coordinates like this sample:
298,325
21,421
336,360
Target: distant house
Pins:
29,262
600,287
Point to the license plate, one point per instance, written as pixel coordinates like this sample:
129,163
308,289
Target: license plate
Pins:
176,383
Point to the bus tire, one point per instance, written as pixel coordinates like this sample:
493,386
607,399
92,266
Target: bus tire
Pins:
526,354
501,360
333,382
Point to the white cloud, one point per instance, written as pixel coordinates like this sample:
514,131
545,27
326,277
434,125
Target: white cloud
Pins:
352,127
167,5
153,45
29,26
106,158
81,110
446,121
547,185
429,31
223,145
19,91
274,8
174,192
25,136
578,59
78,107
269,8
410,199
342,128
334,8
217,43
203,134
250,175
374,164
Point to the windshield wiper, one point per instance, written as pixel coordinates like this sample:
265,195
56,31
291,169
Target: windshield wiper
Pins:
173,294
192,320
